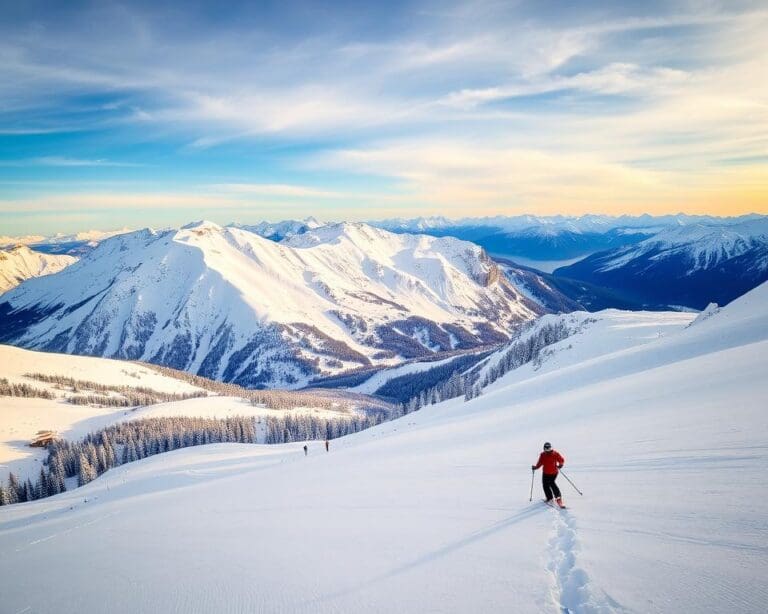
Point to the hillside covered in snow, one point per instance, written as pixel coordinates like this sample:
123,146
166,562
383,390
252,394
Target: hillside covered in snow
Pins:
20,263
660,420
230,305
77,395
690,265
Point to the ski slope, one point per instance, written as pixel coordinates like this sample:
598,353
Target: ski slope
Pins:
21,418
430,513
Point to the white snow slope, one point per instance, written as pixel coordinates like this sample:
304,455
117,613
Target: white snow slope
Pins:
21,418
430,513
22,263
228,304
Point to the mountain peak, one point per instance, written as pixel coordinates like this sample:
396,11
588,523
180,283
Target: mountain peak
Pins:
230,304
201,225
21,263
312,222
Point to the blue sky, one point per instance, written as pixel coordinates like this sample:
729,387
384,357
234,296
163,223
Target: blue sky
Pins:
132,114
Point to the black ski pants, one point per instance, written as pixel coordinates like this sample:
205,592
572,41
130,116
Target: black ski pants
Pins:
548,482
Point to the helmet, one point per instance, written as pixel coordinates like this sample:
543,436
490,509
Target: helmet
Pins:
547,445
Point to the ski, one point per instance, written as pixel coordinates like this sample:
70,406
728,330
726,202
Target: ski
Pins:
554,506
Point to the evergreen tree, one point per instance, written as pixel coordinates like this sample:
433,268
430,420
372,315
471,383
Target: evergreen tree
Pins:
87,472
13,492
29,491
42,489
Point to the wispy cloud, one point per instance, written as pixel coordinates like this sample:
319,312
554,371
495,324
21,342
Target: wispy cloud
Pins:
277,189
501,179
483,104
66,161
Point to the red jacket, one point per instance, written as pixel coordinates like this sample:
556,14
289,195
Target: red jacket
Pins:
551,461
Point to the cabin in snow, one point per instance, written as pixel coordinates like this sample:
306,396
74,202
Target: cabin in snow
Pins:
43,438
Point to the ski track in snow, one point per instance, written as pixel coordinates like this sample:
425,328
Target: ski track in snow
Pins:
572,591
69,530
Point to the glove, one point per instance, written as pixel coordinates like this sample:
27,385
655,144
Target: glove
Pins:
533,467
559,466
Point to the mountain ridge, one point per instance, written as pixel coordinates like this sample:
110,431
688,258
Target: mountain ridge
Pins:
20,263
228,304
688,266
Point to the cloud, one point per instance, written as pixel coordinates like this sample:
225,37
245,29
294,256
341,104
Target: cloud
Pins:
499,179
616,78
487,104
277,189
65,161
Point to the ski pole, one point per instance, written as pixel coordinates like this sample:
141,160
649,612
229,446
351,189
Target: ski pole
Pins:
571,483
533,473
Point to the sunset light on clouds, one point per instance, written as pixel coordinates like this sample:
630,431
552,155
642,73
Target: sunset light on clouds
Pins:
134,114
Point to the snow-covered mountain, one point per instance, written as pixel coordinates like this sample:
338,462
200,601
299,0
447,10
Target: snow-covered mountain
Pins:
231,305
277,231
561,223
74,244
546,242
661,426
20,263
689,266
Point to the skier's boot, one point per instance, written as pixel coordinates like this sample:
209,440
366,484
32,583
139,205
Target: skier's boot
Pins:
560,502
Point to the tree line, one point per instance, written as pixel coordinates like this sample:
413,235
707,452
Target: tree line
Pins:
130,396
130,441
471,383
271,399
137,439
306,427
9,389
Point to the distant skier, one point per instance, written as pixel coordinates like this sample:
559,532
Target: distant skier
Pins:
551,460
305,450
327,443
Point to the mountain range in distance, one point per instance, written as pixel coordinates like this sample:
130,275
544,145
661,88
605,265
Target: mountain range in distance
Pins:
225,303
20,263
593,262
627,262
598,261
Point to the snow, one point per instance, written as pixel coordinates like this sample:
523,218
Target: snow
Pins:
556,224
706,313
378,379
21,418
279,230
430,513
705,245
22,263
146,292
16,362
86,235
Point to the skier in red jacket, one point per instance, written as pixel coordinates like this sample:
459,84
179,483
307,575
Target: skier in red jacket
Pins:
551,460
